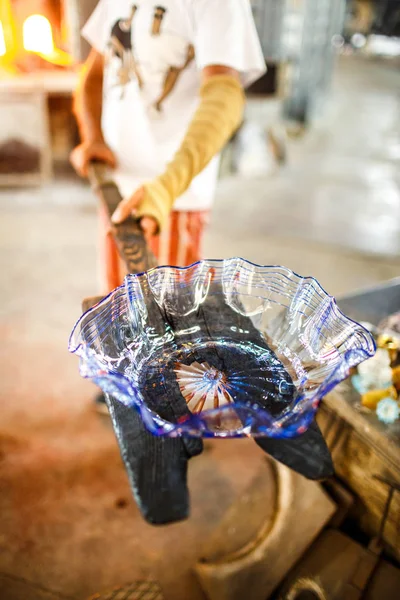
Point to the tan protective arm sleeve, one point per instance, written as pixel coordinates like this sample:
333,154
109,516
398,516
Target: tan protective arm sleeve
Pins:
217,117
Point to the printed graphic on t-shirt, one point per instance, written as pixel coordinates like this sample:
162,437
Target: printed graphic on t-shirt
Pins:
120,47
160,57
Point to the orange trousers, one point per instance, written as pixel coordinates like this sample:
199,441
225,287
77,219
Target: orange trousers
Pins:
179,244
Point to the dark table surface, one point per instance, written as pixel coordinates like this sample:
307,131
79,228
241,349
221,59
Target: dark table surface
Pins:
374,304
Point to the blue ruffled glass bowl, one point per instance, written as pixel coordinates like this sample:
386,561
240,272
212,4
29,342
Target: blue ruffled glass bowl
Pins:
223,348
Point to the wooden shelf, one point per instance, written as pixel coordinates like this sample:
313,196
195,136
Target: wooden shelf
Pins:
50,82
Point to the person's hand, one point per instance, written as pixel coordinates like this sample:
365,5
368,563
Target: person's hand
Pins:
87,151
127,208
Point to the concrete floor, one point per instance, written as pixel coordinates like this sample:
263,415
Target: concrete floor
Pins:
68,525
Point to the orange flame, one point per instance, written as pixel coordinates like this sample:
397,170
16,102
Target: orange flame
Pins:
37,35
38,38
3,48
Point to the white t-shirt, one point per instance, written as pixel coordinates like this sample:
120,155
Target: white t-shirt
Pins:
154,54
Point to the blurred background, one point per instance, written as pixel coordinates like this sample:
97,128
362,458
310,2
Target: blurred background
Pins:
310,181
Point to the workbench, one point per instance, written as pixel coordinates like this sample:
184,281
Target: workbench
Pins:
365,451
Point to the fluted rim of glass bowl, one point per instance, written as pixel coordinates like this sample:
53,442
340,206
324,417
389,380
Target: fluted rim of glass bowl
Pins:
289,424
